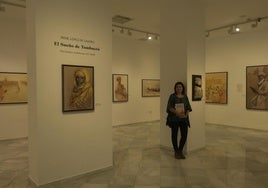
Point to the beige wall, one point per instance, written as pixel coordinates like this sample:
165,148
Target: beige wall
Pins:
182,55
233,53
14,118
63,145
139,60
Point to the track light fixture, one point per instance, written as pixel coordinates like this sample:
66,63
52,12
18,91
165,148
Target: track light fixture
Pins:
255,24
2,8
148,35
237,29
129,33
234,28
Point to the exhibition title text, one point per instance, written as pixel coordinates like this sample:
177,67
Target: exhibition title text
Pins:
77,44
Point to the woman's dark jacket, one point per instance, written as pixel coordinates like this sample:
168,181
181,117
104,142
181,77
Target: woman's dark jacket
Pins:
172,101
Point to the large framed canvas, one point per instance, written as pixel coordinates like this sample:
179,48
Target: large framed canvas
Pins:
197,91
77,88
216,87
120,87
13,88
257,87
150,87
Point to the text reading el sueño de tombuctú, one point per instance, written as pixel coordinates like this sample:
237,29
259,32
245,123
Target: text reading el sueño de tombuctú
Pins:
69,45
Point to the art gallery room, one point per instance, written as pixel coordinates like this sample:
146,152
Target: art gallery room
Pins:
85,85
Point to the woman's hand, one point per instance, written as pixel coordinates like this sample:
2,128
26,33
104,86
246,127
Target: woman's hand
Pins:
182,115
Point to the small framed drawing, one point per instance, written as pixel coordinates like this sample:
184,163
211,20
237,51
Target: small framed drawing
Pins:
150,87
13,88
216,87
197,91
120,87
257,87
77,88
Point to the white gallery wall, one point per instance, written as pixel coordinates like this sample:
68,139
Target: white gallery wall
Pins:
14,117
223,53
232,54
182,55
139,60
66,144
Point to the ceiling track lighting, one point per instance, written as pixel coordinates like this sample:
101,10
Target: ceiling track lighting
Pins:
255,24
3,2
237,29
148,35
234,28
2,8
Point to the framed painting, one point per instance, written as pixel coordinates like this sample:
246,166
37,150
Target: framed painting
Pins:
257,87
120,87
197,91
77,88
13,88
216,87
150,87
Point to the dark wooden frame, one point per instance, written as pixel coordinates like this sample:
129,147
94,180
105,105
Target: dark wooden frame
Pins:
150,87
73,96
13,88
120,90
195,87
253,99
217,87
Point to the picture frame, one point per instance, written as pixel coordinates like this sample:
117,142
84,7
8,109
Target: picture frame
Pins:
13,88
77,88
120,87
257,87
216,87
150,87
197,91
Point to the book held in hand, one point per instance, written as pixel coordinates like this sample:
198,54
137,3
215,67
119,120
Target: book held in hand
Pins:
180,108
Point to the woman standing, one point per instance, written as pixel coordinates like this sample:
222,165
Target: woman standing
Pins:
178,109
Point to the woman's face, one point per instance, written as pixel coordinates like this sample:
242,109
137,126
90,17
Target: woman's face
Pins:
179,88
79,78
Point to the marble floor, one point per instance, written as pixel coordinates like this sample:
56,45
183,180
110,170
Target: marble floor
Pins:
232,158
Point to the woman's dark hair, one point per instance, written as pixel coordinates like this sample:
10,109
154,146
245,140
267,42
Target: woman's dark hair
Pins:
183,89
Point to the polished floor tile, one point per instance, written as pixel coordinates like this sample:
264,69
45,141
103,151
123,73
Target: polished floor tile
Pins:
232,158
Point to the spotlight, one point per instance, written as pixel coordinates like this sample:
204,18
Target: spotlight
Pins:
148,37
129,32
207,34
3,9
237,29
255,24
234,29
230,30
156,37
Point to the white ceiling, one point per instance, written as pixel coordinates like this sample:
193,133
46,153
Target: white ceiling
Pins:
146,13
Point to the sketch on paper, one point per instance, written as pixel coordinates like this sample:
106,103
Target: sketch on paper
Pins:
13,87
150,87
216,87
120,87
257,87
197,91
77,88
